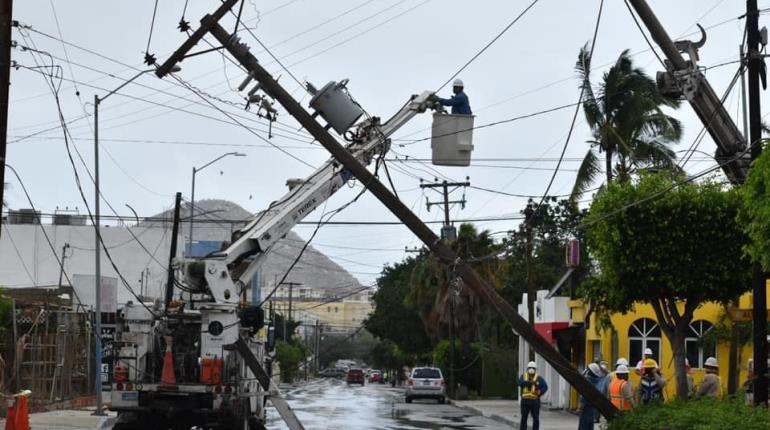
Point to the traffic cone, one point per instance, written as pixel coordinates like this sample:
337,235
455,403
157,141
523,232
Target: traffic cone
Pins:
167,376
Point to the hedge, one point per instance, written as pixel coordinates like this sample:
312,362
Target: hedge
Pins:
705,414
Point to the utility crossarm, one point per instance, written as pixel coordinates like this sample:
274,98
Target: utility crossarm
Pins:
684,79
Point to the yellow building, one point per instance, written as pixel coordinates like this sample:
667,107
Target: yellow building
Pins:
629,334
339,316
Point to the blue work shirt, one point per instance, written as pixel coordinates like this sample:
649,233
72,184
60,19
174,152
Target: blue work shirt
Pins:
459,102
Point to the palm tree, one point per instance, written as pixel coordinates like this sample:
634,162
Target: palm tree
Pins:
627,123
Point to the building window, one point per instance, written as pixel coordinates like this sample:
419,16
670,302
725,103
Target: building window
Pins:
328,309
698,348
644,333
336,309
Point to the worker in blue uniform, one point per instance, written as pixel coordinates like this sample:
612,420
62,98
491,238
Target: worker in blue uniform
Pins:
459,101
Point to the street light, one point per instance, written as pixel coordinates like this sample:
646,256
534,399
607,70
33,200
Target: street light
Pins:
192,193
97,238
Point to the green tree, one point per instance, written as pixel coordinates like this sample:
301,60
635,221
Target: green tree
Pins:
393,286
755,211
674,247
627,122
535,250
290,355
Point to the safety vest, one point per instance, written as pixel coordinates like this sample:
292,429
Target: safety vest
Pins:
616,394
651,390
531,392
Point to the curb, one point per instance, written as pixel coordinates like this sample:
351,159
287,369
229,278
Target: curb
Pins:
107,422
493,417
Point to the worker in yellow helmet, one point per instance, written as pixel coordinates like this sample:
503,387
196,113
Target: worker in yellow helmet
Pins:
651,383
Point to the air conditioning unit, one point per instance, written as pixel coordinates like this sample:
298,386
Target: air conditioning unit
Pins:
24,216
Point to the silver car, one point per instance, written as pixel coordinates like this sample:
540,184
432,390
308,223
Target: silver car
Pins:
426,383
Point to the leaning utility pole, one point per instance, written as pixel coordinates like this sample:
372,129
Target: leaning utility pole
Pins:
6,22
759,284
347,160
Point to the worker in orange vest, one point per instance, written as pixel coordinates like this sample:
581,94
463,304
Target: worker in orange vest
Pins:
620,392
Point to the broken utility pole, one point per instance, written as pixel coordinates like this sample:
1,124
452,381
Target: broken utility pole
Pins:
6,23
271,87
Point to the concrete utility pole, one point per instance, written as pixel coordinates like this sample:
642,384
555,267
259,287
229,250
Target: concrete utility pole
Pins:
449,233
759,288
396,206
6,23
291,293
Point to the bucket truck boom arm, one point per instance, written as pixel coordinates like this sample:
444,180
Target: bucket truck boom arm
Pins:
223,274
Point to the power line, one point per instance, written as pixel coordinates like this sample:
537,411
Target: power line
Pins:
586,82
492,124
499,35
242,125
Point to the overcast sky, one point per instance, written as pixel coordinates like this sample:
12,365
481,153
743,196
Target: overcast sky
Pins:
389,49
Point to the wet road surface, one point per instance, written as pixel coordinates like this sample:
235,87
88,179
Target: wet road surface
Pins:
331,404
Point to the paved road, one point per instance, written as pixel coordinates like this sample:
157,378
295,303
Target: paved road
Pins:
330,404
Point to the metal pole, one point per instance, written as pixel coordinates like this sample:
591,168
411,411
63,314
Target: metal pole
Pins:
446,204
192,213
759,312
291,288
97,263
452,344
63,257
409,219
6,17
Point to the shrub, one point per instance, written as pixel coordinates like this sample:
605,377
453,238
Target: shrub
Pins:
705,414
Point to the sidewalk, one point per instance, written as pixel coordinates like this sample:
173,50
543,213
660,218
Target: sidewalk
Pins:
69,420
507,412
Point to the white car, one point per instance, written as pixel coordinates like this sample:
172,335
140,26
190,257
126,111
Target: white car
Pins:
426,383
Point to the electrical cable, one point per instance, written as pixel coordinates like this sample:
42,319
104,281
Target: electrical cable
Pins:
646,39
499,35
149,58
18,254
54,90
494,123
244,126
577,108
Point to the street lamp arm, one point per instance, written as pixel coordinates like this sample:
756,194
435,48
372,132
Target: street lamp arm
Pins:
100,99
237,154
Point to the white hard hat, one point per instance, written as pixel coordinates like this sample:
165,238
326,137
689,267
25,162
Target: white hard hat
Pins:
532,365
595,369
622,361
647,351
458,83
622,369
686,361
711,362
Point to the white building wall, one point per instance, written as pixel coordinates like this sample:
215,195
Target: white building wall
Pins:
555,309
26,259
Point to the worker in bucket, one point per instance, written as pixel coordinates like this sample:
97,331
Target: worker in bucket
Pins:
459,101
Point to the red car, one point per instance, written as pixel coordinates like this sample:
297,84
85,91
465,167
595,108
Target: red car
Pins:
355,376
375,377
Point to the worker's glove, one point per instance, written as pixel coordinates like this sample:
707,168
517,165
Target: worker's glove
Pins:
432,98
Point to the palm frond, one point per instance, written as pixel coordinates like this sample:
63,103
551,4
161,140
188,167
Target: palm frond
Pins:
589,169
